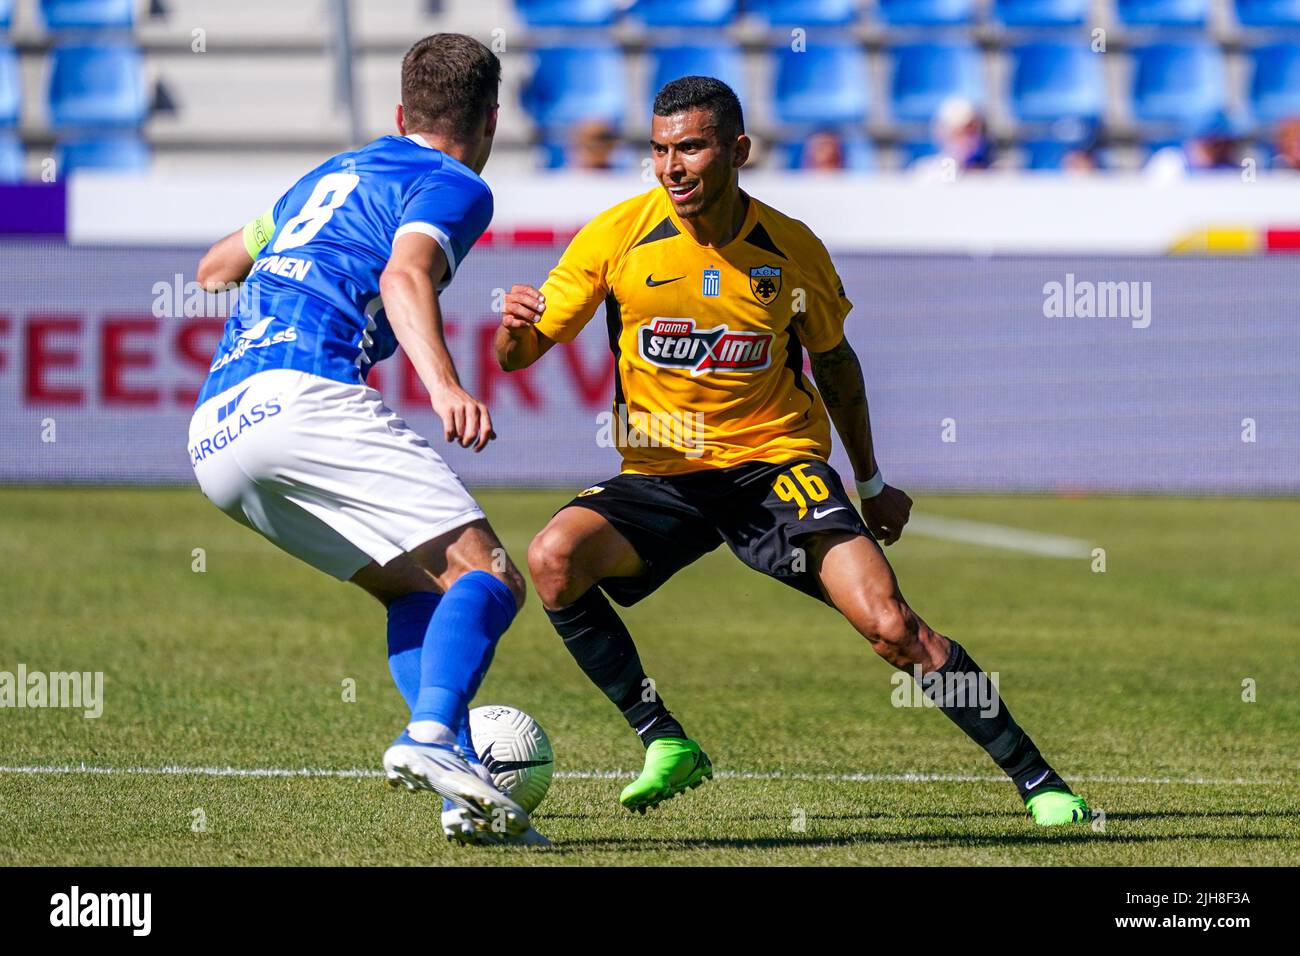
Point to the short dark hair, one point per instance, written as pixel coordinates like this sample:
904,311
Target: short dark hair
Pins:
705,93
449,85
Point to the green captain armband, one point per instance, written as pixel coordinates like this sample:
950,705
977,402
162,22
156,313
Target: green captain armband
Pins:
258,233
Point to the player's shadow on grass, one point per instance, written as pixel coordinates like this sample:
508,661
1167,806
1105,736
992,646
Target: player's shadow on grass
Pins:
812,838
1200,815
757,819
953,840
1118,816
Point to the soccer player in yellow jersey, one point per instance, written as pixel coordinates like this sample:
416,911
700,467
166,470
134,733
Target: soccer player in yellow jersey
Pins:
711,298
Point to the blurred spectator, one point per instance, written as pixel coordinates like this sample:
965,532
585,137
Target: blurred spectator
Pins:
1083,157
1080,160
592,145
823,151
1214,147
1286,143
961,137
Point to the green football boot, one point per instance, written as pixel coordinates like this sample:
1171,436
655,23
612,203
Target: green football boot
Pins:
672,764
1054,808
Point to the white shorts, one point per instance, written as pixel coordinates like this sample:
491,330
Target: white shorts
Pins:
325,470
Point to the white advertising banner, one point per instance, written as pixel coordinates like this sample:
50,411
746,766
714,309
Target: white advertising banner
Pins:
982,214
1050,373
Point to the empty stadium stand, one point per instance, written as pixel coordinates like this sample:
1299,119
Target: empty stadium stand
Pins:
193,83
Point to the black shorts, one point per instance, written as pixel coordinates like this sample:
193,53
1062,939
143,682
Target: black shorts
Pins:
764,512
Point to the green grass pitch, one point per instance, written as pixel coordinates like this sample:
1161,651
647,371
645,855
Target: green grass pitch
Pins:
1131,681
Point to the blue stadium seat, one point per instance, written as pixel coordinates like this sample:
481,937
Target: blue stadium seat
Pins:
724,62
101,85
1040,13
1268,13
574,83
1275,82
909,13
859,153
1049,154
1152,146
119,153
550,154
88,14
806,13
826,85
6,14
1179,84
1055,80
11,91
926,74
11,159
568,13
1044,153
685,13
913,150
1163,13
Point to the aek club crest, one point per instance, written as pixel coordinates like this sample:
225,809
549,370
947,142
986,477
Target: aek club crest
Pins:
765,283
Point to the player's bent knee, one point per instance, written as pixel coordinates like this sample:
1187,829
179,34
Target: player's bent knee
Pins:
550,562
891,632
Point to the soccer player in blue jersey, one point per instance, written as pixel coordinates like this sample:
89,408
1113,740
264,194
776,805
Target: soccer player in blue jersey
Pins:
289,440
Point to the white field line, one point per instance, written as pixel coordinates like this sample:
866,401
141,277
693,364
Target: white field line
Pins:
930,526
997,536
173,771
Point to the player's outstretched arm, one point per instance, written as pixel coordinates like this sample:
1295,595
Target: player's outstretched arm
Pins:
225,265
838,375
408,287
518,343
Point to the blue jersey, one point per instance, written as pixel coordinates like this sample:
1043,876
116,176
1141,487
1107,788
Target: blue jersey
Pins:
311,301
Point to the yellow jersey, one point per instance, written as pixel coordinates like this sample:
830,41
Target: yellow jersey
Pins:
708,342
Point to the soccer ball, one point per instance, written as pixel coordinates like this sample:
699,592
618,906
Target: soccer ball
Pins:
516,752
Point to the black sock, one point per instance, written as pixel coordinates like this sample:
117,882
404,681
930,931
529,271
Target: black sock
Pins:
997,732
598,640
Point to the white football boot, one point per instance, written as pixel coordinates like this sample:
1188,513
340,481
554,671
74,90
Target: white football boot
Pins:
458,827
444,769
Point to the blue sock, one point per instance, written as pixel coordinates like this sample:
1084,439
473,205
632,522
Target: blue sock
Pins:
466,742
408,622
458,647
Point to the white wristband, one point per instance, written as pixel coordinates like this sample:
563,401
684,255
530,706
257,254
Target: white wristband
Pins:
871,487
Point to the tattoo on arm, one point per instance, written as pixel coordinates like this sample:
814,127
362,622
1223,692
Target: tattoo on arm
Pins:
839,376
